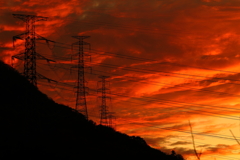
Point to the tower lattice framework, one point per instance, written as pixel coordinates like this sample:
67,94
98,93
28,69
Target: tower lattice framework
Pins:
106,117
81,104
30,55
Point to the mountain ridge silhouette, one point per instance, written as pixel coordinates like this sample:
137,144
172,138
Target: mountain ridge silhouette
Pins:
33,126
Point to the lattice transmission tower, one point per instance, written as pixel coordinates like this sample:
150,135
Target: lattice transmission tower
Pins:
81,104
106,117
30,55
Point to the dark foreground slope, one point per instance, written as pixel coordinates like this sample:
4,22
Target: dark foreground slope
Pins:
32,126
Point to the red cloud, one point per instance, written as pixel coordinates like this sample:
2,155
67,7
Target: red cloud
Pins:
157,54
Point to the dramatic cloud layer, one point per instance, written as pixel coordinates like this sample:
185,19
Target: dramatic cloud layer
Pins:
169,62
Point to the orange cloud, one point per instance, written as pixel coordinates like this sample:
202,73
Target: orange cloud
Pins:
157,54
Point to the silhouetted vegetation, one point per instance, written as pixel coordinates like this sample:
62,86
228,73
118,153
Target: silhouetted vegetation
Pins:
33,126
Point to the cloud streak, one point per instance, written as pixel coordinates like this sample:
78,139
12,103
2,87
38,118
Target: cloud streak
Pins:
169,61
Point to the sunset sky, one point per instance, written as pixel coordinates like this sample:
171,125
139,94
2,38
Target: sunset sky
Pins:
169,62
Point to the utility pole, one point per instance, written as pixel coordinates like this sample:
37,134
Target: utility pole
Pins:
30,55
81,104
106,117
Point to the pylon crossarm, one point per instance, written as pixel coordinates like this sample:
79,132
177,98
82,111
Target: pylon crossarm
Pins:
21,36
40,18
20,16
19,56
26,17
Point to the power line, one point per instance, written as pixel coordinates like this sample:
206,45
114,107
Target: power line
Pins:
181,74
198,133
157,83
190,110
141,124
156,71
129,69
226,137
145,59
181,102
59,94
225,157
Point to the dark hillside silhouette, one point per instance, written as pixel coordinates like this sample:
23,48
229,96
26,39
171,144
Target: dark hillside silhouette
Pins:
33,126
